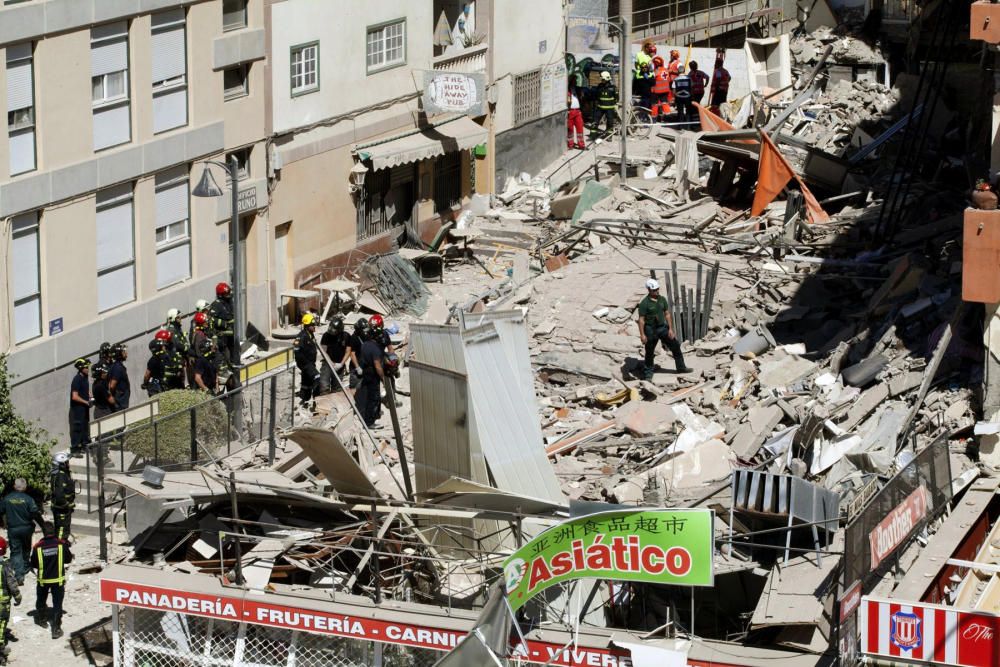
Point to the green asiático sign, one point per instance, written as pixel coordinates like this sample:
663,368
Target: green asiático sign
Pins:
651,546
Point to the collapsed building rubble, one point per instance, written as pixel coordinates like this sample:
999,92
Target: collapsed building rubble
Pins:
831,379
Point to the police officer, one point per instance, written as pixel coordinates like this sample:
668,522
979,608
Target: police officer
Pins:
681,86
49,558
21,513
369,394
657,326
79,407
9,591
104,402
337,344
223,319
206,373
62,492
305,351
118,381
154,380
606,97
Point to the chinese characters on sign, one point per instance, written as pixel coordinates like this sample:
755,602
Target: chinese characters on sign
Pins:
654,546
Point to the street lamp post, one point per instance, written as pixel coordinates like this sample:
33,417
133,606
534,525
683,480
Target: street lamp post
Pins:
624,87
207,187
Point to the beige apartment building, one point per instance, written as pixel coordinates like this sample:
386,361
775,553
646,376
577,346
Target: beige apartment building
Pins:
112,108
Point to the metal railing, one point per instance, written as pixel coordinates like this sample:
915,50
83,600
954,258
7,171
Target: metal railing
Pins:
672,19
215,427
468,61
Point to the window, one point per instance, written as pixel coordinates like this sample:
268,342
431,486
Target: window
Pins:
527,96
305,68
234,14
386,46
169,70
242,161
235,81
173,227
26,280
115,247
20,108
110,85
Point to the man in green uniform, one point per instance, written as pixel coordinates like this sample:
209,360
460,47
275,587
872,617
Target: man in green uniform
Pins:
657,326
20,511
9,591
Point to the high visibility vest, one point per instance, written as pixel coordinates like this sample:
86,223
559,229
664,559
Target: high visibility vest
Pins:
661,81
61,579
4,598
720,80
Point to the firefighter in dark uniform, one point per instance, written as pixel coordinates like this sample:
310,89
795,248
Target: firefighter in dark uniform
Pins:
390,362
357,341
206,373
104,402
369,394
223,320
177,335
49,558
154,380
79,407
337,344
107,354
201,330
606,99
173,363
118,381
9,592
306,352
20,513
63,495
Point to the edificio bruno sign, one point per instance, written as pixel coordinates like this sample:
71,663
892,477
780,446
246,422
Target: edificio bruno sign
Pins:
669,546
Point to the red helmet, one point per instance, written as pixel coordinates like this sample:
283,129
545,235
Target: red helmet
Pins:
3,546
651,49
375,321
201,319
163,335
675,54
223,290
657,61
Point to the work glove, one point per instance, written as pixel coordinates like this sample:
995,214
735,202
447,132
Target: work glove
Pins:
17,601
338,367
357,371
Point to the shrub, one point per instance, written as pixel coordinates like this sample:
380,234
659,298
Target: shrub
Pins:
25,449
173,428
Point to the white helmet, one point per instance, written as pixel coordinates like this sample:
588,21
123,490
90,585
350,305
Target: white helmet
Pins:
173,314
606,75
60,458
201,305
652,284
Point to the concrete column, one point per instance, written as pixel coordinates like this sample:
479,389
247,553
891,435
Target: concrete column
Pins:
989,445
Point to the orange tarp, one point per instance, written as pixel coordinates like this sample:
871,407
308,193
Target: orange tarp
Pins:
773,174
710,122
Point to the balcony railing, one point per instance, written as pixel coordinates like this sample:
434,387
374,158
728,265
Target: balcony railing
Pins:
468,61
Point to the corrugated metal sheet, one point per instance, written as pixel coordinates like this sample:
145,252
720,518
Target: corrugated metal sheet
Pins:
440,409
507,424
438,345
513,332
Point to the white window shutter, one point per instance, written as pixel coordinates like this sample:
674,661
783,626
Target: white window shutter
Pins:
169,109
107,57
173,265
22,151
19,88
25,258
169,54
172,204
28,320
114,236
112,126
115,288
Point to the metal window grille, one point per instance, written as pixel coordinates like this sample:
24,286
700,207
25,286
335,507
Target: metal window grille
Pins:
152,638
448,180
527,96
374,215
